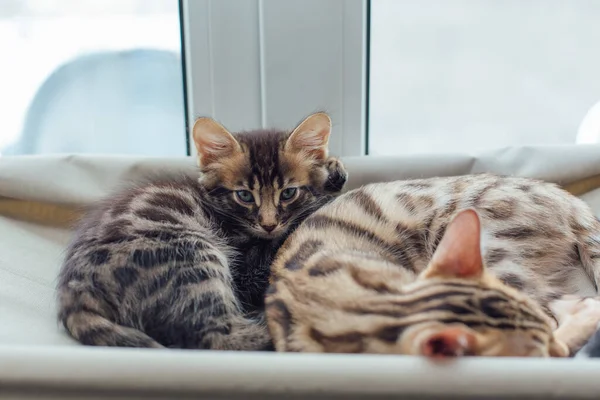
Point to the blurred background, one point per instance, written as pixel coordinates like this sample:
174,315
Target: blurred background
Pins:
105,76
91,76
474,74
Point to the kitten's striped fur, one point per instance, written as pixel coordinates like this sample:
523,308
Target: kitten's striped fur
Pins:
184,262
378,270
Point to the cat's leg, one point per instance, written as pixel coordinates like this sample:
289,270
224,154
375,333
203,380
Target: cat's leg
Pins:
196,305
88,318
178,295
587,229
95,330
588,246
210,317
578,319
337,175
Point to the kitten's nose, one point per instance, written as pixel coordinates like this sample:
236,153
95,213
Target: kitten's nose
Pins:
269,228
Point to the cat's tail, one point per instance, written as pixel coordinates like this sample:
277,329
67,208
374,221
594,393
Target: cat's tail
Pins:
247,334
91,328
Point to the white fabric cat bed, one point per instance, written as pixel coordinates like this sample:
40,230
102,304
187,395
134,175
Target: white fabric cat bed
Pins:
39,195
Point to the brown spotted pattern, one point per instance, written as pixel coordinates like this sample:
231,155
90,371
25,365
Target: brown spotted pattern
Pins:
183,262
353,277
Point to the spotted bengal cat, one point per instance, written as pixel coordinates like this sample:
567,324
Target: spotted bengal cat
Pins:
473,265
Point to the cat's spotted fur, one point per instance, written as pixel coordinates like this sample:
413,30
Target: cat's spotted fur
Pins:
184,262
380,270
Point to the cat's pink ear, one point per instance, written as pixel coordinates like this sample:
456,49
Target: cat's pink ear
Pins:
459,253
449,342
213,141
311,137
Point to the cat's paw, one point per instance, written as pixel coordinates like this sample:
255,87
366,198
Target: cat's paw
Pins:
578,320
588,311
569,306
337,175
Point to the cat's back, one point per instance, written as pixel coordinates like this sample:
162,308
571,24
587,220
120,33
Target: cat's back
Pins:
137,223
383,213
373,220
408,218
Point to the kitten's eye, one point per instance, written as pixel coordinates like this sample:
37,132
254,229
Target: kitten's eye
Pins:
245,196
289,193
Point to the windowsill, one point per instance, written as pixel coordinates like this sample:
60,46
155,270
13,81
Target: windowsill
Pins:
176,373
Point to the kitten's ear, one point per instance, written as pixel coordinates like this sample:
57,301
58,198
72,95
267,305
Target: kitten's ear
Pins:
449,342
459,253
311,137
213,141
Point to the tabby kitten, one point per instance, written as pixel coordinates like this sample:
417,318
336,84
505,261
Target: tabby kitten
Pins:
398,268
183,262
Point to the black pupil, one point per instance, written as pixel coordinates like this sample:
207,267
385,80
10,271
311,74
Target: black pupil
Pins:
288,193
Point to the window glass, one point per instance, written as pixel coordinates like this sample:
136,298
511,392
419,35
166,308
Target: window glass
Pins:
91,76
461,75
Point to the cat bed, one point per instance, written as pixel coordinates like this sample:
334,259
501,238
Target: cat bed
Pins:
41,196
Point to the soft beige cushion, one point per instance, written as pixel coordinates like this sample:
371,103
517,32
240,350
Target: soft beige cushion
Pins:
37,358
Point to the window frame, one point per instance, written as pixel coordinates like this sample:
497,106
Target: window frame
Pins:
238,57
